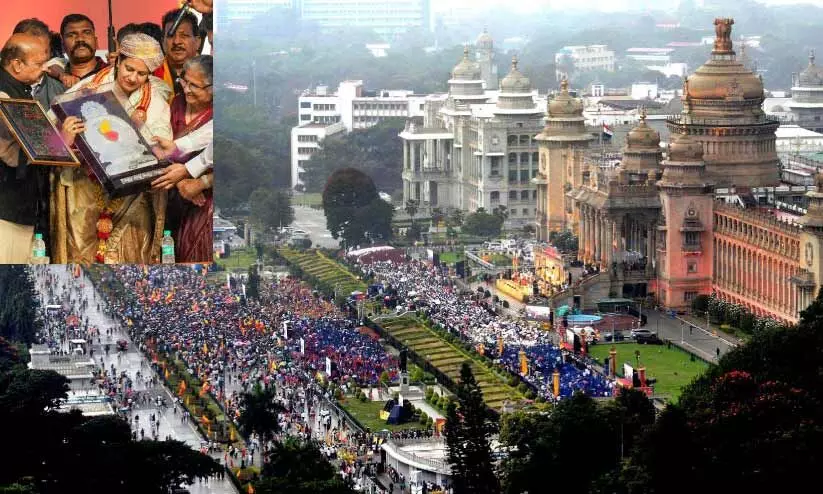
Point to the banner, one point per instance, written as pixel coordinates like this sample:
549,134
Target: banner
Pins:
302,346
286,330
328,366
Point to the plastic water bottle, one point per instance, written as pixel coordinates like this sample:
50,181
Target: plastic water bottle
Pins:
168,248
38,251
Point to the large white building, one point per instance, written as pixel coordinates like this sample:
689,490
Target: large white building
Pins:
322,113
475,148
806,105
583,58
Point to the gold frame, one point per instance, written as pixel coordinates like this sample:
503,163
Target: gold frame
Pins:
22,142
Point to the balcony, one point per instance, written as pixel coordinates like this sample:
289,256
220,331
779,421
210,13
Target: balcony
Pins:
804,279
691,248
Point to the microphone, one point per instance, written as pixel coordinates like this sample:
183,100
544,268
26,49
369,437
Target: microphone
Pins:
185,9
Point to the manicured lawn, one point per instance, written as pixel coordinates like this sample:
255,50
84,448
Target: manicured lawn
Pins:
671,367
368,414
500,260
452,257
239,260
308,199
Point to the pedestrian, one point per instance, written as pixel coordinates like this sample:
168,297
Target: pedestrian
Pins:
717,351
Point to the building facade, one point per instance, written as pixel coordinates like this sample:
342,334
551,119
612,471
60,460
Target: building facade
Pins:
583,59
702,218
806,104
475,148
322,113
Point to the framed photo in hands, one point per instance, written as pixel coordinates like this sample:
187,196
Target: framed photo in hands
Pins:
37,136
111,146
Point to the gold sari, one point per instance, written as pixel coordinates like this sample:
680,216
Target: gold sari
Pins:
80,209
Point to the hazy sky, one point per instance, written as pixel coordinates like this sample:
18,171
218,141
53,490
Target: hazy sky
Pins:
605,5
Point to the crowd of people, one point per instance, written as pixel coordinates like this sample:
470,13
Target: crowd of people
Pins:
281,339
429,289
164,83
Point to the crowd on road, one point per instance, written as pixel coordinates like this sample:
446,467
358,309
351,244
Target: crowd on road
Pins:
281,339
429,288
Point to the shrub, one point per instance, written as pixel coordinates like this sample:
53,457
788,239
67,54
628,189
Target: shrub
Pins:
362,397
522,387
429,393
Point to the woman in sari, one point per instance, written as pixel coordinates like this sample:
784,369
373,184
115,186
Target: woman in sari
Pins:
191,205
88,226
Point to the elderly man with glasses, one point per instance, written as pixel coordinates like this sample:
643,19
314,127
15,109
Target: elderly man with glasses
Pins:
23,189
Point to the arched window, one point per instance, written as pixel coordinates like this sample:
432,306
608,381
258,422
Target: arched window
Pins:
512,158
512,140
524,140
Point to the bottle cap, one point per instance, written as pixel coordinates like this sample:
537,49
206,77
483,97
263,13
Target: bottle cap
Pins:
167,233
38,236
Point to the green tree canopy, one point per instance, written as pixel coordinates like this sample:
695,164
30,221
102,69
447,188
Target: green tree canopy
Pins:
271,208
483,224
18,304
298,466
469,425
376,151
353,208
258,412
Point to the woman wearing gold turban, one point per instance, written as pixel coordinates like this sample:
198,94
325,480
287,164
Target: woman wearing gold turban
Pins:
88,225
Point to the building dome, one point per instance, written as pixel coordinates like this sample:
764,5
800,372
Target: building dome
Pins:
484,41
685,149
564,105
643,136
723,76
515,81
812,76
466,70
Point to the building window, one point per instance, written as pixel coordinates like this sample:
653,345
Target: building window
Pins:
534,194
524,159
689,296
495,196
305,104
524,195
525,211
513,194
691,267
512,158
512,176
512,140
692,238
514,212
524,175
524,140
305,117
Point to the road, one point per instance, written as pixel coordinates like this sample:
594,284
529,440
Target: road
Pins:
132,361
313,221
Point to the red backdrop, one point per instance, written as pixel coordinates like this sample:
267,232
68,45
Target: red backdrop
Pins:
52,12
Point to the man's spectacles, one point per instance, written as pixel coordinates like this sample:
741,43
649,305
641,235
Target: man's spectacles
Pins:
184,83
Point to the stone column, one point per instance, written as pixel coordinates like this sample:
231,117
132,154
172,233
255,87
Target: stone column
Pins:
406,162
650,250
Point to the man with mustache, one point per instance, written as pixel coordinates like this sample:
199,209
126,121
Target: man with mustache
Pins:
184,45
80,45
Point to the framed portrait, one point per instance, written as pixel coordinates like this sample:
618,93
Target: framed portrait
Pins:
37,136
112,146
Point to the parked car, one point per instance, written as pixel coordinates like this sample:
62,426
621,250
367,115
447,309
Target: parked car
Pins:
640,332
617,336
650,339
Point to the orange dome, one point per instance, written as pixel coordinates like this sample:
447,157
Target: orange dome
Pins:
685,149
643,136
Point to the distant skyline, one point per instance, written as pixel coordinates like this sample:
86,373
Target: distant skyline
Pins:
603,5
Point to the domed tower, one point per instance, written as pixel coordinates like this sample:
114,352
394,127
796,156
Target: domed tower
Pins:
485,57
807,97
642,153
562,143
516,96
466,85
684,244
723,111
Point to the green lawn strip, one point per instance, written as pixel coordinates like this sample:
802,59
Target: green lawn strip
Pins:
367,413
239,259
455,358
672,367
422,346
452,257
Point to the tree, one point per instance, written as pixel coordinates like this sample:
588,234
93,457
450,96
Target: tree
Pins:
469,425
354,210
270,208
298,466
411,208
376,151
573,445
253,286
747,423
483,224
258,412
18,304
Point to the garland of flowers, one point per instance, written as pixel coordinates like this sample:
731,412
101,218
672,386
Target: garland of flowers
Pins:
105,223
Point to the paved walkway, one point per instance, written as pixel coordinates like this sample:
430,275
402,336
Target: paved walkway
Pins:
132,361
